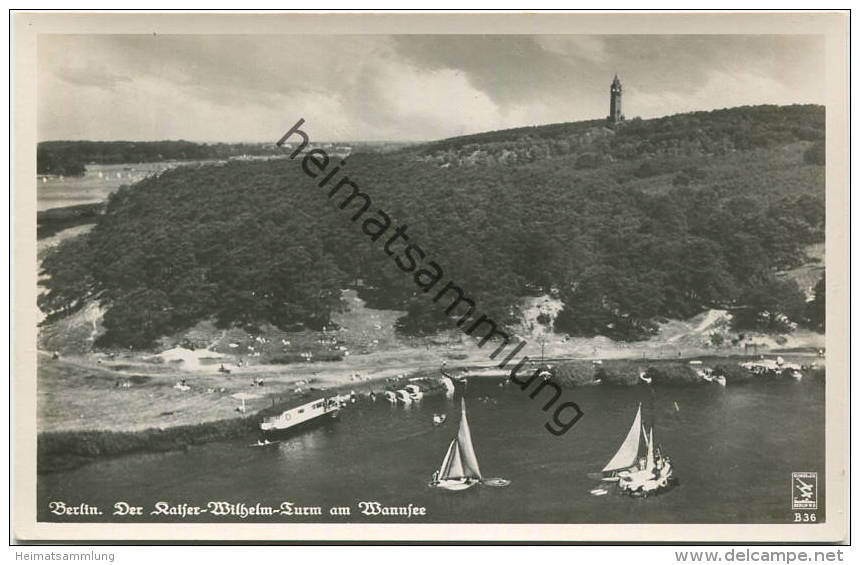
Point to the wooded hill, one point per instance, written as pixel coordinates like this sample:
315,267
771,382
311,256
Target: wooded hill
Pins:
657,218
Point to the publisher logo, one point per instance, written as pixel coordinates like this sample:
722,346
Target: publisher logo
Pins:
804,490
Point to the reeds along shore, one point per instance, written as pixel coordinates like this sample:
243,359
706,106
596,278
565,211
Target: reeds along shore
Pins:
63,450
625,372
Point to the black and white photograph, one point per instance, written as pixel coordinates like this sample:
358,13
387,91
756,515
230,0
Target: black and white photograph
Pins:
484,277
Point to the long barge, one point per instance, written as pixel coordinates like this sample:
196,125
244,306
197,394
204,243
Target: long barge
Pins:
300,416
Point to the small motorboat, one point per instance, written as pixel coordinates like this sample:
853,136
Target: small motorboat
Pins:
439,419
390,397
598,491
708,376
644,378
792,370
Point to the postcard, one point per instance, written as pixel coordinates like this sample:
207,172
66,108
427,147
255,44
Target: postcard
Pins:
430,277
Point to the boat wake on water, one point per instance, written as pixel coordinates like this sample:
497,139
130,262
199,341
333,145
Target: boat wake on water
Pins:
264,443
496,482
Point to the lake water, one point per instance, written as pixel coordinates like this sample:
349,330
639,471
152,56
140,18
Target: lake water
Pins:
733,450
94,185
99,181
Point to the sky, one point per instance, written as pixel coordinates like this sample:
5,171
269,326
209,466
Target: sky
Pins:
211,88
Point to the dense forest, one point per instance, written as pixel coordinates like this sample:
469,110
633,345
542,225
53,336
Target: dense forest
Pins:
654,219
69,158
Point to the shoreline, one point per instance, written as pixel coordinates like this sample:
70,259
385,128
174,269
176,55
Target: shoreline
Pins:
64,450
52,221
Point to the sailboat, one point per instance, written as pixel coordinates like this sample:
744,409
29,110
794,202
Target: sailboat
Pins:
636,475
459,469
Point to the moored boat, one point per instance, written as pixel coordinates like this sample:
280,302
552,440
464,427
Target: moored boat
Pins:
414,392
707,375
403,396
792,370
774,368
449,385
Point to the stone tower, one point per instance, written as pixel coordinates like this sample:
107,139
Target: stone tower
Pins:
615,114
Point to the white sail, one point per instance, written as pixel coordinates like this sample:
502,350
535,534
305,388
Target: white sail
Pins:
466,449
629,450
454,470
447,459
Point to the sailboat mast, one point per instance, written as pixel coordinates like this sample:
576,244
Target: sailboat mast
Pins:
650,460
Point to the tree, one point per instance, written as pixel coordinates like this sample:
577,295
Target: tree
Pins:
816,154
138,319
771,304
816,309
69,279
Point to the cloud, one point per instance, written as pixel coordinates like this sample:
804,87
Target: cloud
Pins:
89,75
720,89
589,47
409,87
